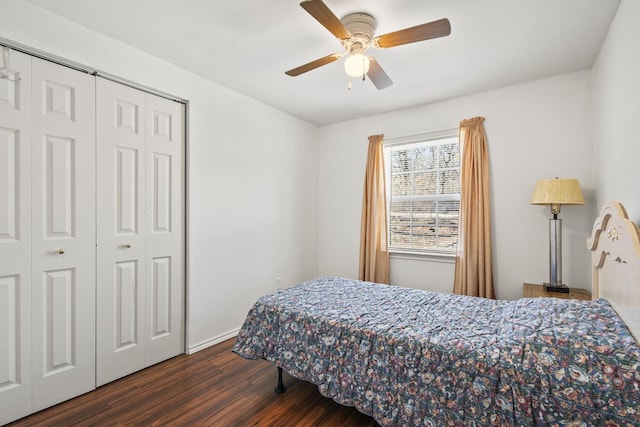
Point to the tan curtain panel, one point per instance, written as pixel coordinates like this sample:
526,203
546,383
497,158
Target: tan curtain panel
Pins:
374,253
473,274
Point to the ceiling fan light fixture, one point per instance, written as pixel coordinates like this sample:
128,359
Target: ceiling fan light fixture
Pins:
356,33
356,65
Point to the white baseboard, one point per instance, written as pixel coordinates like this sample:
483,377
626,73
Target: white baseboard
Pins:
212,341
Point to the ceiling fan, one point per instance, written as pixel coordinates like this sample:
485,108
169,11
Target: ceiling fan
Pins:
356,33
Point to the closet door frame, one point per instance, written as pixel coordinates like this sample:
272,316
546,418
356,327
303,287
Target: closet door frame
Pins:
24,368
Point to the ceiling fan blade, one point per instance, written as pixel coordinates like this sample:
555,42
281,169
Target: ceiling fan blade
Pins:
430,30
323,15
376,74
313,64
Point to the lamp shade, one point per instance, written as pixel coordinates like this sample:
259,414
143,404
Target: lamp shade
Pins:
557,192
356,65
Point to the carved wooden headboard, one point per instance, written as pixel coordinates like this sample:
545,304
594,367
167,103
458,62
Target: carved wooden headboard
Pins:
615,257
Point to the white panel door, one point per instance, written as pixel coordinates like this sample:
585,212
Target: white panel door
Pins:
63,233
15,237
140,191
121,231
165,229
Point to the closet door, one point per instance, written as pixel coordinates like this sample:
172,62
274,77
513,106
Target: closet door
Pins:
140,314
121,230
15,237
165,229
63,233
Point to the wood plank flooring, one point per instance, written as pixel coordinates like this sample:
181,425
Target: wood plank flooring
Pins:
212,387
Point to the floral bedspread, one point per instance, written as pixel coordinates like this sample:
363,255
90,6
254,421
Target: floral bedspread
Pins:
410,357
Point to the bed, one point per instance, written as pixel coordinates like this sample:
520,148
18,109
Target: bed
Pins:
411,357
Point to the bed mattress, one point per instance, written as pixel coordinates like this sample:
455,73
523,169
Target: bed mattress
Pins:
411,357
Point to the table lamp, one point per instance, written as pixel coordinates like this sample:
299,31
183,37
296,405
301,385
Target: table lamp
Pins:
556,192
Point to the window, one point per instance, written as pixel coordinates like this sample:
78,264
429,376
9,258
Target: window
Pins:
423,180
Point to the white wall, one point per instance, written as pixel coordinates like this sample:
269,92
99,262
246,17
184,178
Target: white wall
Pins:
540,129
252,175
616,92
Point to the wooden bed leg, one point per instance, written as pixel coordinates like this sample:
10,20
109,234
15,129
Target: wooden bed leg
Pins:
280,388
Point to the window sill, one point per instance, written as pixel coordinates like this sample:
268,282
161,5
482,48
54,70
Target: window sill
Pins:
422,256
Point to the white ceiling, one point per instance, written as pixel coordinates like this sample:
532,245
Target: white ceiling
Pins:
247,45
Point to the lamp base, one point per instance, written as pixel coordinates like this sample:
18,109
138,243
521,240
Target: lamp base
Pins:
556,288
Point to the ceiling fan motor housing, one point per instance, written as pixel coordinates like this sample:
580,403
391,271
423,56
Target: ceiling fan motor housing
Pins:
362,27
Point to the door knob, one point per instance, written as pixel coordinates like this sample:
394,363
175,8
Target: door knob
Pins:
60,251
126,245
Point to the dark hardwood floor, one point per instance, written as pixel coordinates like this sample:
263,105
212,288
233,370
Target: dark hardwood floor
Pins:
212,387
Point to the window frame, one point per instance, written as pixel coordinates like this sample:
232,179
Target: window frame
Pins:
389,143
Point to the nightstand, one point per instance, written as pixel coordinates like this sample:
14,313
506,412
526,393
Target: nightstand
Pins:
531,290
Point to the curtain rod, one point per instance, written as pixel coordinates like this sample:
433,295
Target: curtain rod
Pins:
396,140
85,69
